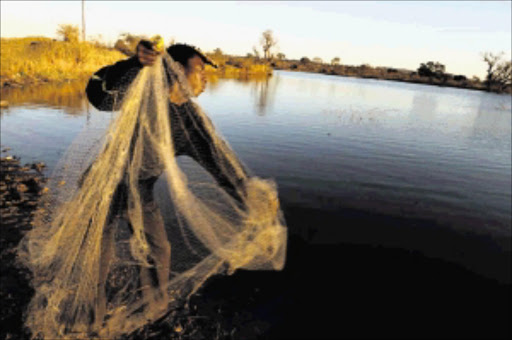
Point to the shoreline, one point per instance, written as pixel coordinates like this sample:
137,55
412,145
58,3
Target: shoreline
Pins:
30,82
397,80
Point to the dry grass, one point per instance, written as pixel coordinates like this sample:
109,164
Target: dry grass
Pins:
37,59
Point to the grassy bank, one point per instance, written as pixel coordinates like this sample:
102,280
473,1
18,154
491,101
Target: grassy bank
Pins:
33,60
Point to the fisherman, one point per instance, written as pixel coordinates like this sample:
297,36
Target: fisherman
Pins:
106,90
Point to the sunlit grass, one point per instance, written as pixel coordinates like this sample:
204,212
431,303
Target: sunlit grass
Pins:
37,59
232,67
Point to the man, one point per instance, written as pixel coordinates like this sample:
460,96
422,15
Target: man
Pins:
191,137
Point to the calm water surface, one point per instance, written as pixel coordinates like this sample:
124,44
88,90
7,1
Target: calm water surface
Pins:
441,156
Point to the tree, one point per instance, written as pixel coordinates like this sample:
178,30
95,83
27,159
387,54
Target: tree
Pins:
98,41
122,47
280,56
69,33
317,60
127,43
267,42
335,61
503,75
218,52
256,52
431,69
305,60
499,73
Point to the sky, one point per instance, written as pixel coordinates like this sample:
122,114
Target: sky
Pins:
400,34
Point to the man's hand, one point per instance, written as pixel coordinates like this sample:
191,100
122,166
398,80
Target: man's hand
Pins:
147,56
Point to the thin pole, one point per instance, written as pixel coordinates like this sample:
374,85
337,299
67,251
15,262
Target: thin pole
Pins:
83,20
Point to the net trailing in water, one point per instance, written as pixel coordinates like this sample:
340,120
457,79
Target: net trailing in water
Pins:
104,260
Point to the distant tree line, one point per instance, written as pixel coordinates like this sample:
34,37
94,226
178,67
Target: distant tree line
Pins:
498,78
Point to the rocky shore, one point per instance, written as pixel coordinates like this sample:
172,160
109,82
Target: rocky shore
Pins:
20,189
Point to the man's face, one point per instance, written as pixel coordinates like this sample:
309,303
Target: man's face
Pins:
195,75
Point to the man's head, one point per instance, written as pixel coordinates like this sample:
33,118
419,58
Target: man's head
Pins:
193,61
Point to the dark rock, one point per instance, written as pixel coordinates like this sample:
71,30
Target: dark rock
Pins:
22,188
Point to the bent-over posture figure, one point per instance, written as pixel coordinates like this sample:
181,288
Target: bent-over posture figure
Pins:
105,91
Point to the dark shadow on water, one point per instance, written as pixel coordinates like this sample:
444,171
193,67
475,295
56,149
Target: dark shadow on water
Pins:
342,290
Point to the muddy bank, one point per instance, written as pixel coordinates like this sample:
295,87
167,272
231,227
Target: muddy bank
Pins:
20,189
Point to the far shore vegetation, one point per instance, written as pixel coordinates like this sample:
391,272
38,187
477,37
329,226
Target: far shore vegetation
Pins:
37,59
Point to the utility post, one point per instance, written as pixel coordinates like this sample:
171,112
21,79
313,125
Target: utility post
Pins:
83,20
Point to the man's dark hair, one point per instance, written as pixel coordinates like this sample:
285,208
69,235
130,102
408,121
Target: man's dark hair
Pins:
182,53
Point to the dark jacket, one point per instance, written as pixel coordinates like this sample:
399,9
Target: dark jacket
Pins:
106,90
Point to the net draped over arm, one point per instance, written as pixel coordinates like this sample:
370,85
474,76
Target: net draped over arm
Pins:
195,136
191,135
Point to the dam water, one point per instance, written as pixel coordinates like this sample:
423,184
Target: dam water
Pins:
397,198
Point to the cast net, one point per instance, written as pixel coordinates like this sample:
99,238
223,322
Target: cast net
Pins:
104,260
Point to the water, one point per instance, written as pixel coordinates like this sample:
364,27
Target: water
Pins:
435,161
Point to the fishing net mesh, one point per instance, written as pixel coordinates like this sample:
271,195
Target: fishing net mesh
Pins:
103,259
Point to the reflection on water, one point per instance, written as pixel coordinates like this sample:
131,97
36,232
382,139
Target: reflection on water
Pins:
423,107
42,121
441,155
492,116
264,93
69,96
263,88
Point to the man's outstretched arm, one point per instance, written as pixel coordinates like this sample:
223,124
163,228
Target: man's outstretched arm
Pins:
107,87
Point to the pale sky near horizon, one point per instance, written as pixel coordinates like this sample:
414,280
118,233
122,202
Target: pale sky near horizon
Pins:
388,33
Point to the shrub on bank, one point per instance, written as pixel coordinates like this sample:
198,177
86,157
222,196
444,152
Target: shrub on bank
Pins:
231,66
